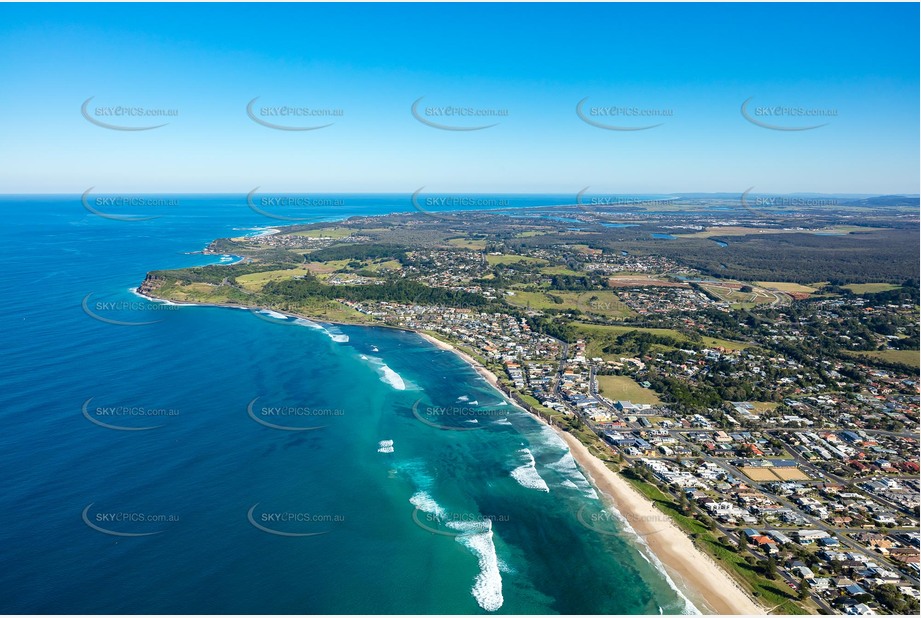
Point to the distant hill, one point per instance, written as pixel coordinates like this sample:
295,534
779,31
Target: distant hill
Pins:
885,200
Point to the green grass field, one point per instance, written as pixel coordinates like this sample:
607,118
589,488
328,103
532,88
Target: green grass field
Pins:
327,232
255,281
512,259
198,292
597,337
604,329
597,334
869,288
315,308
533,300
323,309
756,297
785,286
585,248
713,342
319,268
907,357
391,264
600,302
625,388
560,270
467,243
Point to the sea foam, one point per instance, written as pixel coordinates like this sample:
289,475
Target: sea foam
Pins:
308,324
392,378
527,475
273,314
338,337
161,301
476,536
388,375
566,467
487,587
425,503
646,553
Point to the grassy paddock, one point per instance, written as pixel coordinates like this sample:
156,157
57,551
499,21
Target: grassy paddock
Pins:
785,286
906,357
327,232
625,388
600,302
467,243
870,288
255,281
492,260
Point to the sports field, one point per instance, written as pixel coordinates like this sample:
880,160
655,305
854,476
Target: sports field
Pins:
768,475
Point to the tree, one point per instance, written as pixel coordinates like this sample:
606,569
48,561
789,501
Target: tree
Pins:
803,592
895,601
770,567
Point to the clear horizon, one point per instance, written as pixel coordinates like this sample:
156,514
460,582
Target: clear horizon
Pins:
440,309
550,193
485,98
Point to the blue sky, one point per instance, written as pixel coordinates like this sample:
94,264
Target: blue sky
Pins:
700,62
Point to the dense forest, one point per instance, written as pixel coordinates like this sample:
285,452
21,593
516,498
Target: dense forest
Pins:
398,291
214,274
886,255
356,251
875,255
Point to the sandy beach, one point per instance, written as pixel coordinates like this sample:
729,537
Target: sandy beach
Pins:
488,375
710,588
706,584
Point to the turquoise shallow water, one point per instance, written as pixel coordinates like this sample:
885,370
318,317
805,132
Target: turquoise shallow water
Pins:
381,495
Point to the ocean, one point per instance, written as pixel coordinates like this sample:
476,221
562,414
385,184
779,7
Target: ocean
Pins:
177,459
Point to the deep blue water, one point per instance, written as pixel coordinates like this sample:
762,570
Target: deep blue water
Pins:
111,508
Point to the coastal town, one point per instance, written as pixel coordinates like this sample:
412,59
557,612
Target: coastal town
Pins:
465,308
811,491
776,423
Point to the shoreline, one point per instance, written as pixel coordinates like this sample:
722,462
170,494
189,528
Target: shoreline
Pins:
697,576
255,309
485,373
707,585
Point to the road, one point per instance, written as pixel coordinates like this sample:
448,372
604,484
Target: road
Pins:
850,483
733,531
